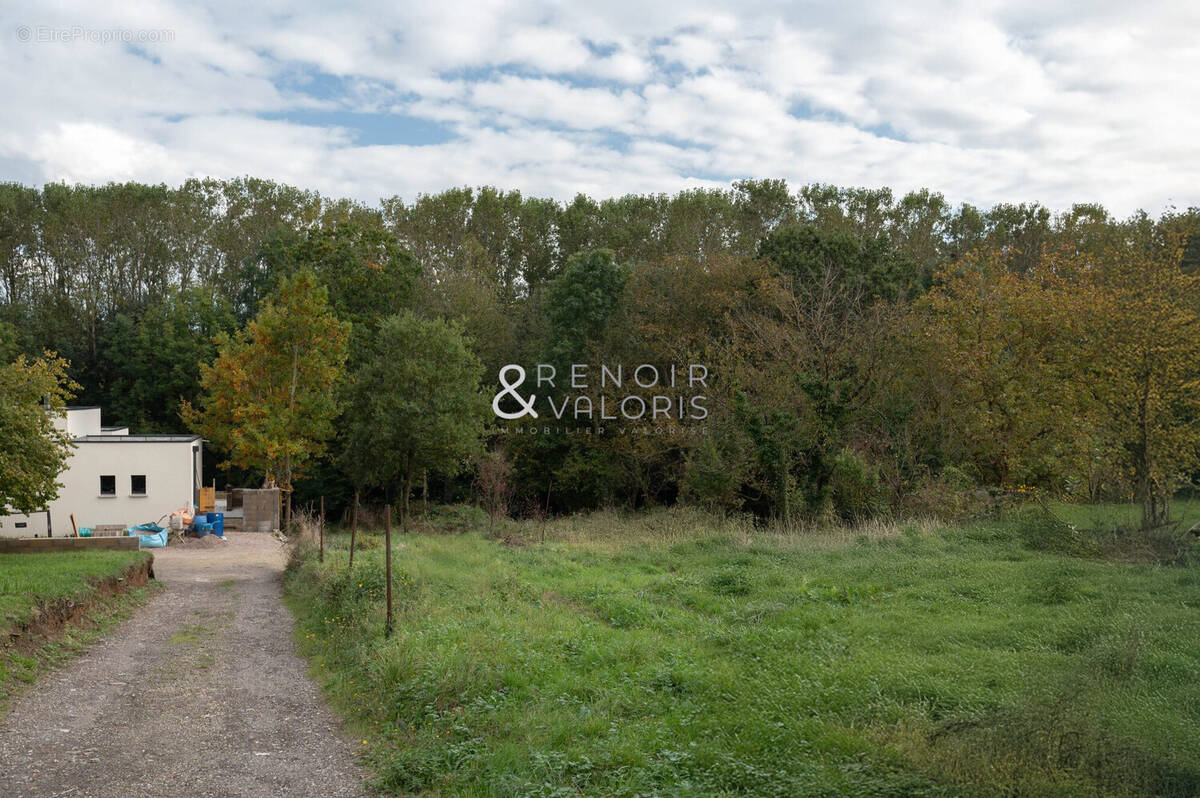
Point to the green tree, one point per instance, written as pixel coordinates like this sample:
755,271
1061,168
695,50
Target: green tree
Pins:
270,396
863,268
33,449
580,302
414,404
154,357
578,307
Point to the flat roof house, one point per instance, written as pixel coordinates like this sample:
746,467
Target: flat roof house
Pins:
114,478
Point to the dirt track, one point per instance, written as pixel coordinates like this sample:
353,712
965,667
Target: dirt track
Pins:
200,694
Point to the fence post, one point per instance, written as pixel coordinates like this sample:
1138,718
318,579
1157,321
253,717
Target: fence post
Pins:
321,527
353,530
387,559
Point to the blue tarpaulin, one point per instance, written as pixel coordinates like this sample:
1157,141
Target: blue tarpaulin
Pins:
152,536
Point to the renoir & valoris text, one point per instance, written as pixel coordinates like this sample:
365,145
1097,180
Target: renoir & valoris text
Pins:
680,398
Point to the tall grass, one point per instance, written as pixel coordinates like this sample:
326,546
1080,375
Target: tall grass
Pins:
676,654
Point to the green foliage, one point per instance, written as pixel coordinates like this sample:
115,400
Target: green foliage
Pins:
579,305
580,302
10,345
367,273
414,403
1042,530
33,448
715,473
812,305
869,269
854,488
155,355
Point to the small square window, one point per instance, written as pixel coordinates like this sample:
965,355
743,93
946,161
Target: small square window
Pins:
137,484
108,484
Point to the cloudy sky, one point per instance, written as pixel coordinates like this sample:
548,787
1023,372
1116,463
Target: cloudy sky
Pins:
1002,102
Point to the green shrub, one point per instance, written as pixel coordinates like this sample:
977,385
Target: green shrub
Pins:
854,488
364,542
952,495
457,518
713,476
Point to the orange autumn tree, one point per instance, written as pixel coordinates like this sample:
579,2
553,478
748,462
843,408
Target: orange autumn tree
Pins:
270,396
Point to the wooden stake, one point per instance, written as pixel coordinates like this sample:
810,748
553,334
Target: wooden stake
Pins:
321,531
387,559
74,525
353,530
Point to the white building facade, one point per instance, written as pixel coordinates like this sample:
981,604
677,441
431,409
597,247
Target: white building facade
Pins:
114,478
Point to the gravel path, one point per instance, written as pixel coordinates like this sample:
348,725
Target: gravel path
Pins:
200,694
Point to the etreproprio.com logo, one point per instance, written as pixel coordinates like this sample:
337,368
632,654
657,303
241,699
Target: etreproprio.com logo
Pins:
588,394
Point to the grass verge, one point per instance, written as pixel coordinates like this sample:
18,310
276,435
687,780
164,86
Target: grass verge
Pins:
53,605
674,655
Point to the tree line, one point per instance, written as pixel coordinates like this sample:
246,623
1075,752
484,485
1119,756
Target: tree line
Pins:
869,353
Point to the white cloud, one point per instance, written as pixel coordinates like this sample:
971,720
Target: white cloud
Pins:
85,152
558,103
1034,101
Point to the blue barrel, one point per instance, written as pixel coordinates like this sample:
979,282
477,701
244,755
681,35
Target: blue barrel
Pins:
218,523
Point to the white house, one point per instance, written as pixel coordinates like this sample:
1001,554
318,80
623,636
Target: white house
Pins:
113,477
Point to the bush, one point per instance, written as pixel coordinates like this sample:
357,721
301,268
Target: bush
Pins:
456,518
952,495
854,489
713,476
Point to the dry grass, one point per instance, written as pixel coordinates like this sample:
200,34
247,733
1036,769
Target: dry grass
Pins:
306,528
610,529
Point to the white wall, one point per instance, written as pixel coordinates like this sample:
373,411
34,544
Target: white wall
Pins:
167,464
83,421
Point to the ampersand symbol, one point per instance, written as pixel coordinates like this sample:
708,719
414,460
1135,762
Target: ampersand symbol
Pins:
510,389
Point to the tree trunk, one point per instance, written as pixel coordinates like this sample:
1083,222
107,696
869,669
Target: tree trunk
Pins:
408,479
1155,506
353,529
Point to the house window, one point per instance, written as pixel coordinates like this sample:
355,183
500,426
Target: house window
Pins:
108,484
137,485
21,525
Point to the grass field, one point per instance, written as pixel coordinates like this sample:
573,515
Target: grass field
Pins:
671,654
31,583
1186,512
